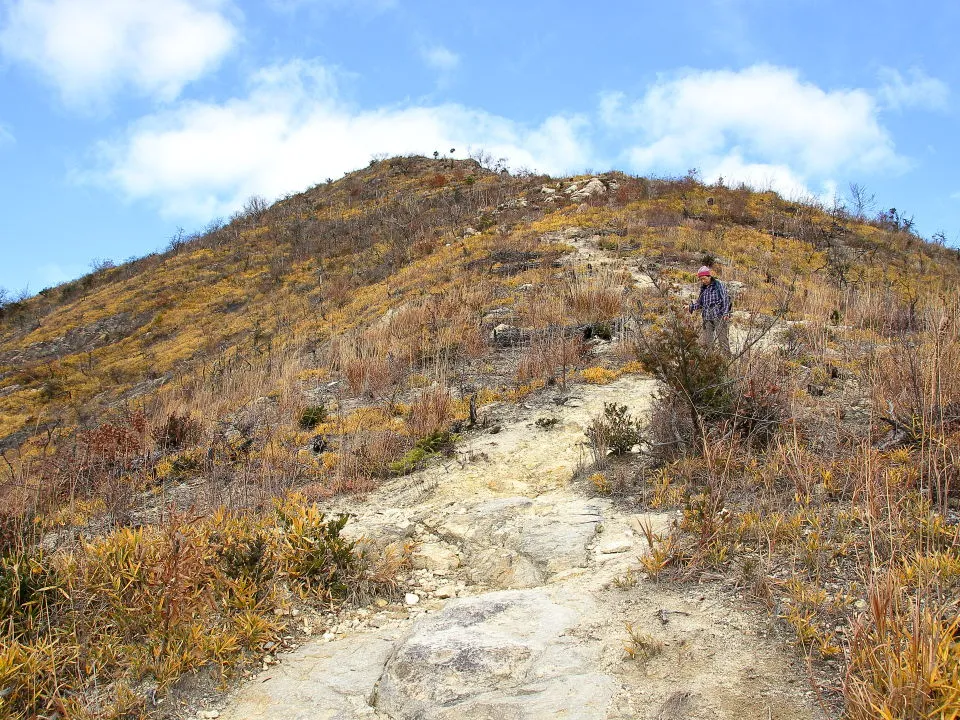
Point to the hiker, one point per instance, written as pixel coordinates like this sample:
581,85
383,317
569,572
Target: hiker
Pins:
715,305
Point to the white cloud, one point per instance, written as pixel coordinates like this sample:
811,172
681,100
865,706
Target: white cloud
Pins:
375,6
440,58
920,90
761,176
759,124
6,137
290,131
89,49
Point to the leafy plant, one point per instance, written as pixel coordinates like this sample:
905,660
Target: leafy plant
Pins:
437,442
313,554
311,416
616,429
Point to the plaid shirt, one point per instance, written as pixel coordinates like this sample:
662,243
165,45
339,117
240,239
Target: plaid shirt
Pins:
714,302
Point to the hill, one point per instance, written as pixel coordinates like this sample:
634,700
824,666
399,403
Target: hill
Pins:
154,412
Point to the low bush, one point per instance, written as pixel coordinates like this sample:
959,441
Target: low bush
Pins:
705,394
697,391
177,432
311,416
440,441
616,429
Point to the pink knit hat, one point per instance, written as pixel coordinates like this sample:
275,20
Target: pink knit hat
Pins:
704,272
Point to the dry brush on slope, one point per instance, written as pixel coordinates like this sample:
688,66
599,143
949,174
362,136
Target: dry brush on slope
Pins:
347,333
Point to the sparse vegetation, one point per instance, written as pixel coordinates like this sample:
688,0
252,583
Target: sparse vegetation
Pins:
158,602
616,430
639,645
439,441
156,415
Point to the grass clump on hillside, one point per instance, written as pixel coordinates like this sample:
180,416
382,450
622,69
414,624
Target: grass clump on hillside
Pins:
616,430
84,628
437,442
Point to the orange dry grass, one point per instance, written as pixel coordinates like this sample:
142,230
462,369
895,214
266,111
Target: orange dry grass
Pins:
430,412
904,657
595,299
551,356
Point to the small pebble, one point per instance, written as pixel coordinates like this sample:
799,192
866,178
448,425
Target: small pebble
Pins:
411,598
447,591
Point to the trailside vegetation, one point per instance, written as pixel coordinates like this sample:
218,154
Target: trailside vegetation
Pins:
173,428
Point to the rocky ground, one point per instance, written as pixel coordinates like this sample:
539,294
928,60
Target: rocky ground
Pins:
518,606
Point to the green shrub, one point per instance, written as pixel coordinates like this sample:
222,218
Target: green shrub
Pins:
703,394
616,429
426,448
697,389
312,416
314,556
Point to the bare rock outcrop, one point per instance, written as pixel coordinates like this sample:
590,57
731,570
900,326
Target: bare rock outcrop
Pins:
500,655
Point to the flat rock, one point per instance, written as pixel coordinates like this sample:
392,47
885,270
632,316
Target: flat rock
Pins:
520,542
320,681
435,557
500,655
557,542
613,545
504,568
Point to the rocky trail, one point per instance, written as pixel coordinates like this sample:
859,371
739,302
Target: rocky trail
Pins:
512,610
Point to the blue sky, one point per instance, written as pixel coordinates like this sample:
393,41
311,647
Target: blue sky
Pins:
122,120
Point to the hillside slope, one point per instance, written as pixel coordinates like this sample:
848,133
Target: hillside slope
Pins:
152,415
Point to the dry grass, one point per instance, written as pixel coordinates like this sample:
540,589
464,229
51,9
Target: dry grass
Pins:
847,534
181,403
85,626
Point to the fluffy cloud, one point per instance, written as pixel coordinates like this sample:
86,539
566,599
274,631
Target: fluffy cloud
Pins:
918,90
374,6
440,58
88,49
290,130
761,123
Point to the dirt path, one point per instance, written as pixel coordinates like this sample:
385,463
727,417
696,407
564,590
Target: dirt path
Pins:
513,611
